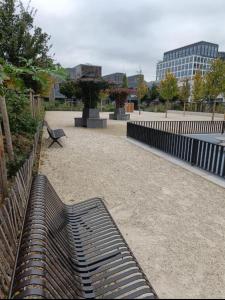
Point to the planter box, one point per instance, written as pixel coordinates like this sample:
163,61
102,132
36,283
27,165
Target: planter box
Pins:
119,115
96,123
91,119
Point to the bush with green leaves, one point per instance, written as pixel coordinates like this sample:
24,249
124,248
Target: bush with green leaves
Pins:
20,118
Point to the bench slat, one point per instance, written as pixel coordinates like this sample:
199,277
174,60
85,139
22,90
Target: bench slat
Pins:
80,245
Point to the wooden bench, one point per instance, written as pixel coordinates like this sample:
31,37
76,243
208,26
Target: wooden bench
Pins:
74,252
55,135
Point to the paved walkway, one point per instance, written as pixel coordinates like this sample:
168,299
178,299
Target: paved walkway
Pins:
173,220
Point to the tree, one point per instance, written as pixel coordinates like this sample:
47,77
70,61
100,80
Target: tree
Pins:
198,87
21,41
168,89
142,90
184,93
19,38
68,89
125,82
214,83
88,89
154,92
119,95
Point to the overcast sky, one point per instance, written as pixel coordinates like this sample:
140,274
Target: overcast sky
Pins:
127,35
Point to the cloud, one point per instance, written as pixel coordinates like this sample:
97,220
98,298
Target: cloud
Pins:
123,35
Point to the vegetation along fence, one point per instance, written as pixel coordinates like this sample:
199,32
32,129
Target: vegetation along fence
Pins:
12,213
203,154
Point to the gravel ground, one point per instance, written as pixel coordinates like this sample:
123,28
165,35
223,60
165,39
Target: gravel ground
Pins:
173,220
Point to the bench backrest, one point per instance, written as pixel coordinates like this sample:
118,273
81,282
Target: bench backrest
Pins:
69,252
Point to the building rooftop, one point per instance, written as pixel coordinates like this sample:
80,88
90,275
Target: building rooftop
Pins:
191,45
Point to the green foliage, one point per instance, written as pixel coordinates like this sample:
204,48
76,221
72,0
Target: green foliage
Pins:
19,38
142,89
168,88
125,82
119,95
154,93
214,83
68,88
198,87
63,106
89,91
20,118
185,91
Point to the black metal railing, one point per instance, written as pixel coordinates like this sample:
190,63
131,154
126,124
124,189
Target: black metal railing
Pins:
185,127
203,154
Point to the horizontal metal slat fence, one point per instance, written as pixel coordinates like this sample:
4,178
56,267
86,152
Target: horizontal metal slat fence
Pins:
205,155
185,127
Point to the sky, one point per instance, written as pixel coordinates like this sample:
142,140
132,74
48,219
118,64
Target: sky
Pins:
127,35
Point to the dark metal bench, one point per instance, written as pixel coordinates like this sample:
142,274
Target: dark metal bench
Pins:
77,251
55,135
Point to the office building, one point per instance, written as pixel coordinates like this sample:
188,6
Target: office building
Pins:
184,62
134,80
115,78
85,71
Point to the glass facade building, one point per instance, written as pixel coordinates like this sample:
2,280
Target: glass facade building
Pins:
186,61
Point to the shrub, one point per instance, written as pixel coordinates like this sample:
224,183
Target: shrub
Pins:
20,118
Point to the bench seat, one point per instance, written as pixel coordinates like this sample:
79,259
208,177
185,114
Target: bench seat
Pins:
74,252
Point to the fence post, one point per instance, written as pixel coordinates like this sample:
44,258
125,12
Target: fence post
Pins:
223,128
194,152
3,170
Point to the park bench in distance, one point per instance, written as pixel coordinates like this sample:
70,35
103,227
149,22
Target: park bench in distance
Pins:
55,135
74,252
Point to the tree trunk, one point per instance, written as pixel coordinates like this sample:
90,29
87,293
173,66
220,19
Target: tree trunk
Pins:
3,170
184,108
213,112
166,109
8,136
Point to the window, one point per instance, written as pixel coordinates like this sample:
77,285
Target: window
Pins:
190,66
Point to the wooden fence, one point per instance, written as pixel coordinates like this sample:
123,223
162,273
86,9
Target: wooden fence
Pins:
12,213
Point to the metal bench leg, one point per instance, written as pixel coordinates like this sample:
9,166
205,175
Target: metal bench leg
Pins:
51,144
55,141
59,143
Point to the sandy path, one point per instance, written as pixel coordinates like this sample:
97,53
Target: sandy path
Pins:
173,220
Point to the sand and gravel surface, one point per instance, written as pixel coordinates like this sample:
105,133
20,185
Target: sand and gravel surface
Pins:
173,220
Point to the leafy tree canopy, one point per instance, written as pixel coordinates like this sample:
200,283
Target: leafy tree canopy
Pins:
214,83
154,92
88,89
119,95
185,91
197,91
19,38
68,88
168,87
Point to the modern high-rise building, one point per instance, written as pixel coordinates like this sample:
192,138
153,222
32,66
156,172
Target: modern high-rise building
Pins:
184,62
115,78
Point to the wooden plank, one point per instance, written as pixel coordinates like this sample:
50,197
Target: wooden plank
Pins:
3,170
